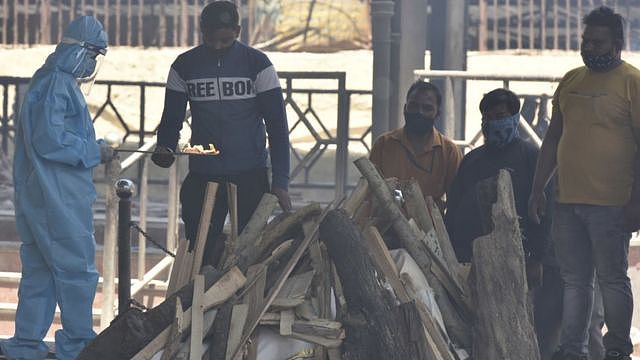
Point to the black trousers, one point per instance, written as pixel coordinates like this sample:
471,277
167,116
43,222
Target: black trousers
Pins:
251,186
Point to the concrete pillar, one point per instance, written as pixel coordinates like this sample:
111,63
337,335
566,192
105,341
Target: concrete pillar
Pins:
381,12
449,52
409,42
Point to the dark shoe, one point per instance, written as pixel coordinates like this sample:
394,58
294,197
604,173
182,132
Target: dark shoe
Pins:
616,355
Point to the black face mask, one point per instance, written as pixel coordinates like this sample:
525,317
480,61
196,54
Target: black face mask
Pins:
418,124
600,62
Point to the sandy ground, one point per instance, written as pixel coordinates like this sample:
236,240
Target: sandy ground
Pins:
136,64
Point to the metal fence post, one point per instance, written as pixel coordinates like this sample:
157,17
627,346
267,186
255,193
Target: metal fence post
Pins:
124,189
342,148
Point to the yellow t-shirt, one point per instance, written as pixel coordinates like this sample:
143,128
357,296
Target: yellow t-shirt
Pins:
597,148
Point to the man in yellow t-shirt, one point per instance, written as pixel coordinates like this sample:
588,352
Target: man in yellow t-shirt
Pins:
592,142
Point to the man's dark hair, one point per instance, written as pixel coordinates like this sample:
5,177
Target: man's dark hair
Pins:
425,86
500,96
219,15
605,16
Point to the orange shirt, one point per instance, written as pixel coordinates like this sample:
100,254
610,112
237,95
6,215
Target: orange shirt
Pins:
434,167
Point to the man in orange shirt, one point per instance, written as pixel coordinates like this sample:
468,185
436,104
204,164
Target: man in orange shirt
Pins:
418,151
593,143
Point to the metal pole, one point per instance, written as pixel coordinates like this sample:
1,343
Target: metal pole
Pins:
124,190
342,150
381,12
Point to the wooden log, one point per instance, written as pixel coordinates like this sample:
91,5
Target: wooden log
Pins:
450,296
285,226
374,326
254,229
502,328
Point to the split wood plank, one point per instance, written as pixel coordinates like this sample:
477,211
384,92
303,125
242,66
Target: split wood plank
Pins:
197,318
232,281
238,321
382,260
203,228
287,317
255,297
357,197
294,291
178,267
443,237
175,335
436,333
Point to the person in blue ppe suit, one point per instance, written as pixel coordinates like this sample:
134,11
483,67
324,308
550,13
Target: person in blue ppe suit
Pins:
56,150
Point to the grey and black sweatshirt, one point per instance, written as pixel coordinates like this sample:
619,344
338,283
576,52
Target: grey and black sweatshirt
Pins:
235,101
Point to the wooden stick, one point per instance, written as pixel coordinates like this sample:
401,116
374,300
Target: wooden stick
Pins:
197,318
231,243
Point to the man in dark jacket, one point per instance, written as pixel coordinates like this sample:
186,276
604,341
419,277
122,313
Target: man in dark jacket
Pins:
503,149
236,104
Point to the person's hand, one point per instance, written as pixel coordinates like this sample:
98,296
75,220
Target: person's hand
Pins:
107,153
162,157
632,216
534,273
537,206
283,198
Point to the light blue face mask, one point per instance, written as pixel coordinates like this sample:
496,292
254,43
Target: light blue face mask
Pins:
501,132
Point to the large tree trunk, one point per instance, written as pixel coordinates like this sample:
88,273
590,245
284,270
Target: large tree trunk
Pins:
503,328
375,327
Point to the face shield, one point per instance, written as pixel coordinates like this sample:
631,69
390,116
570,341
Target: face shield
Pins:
89,61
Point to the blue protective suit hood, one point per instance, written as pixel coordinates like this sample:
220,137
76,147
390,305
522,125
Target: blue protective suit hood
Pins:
69,56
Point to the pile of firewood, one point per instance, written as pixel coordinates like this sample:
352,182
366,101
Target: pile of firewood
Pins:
327,277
